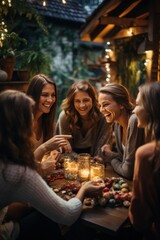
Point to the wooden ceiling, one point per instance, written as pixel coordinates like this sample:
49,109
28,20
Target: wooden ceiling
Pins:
115,19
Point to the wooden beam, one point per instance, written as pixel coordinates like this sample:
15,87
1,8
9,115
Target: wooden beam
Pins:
97,14
124,33
100,32
155,37
129,9
124,22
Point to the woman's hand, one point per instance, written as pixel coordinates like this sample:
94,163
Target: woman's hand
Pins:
66,148
106,150
54,143
90,189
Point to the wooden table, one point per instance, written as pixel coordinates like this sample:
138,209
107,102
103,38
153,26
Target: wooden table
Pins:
106,219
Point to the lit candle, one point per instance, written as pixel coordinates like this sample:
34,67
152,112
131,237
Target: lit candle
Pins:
84,166
70,168
84,174
96,171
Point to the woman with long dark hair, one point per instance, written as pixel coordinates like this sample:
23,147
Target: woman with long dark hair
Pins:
19,179
144,211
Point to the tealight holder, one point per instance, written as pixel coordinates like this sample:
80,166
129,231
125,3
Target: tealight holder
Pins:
70,167
97,172
84,166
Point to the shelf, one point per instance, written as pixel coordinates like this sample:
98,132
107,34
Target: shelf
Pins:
13,82
17,85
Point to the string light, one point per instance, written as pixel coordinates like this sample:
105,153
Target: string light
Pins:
7,2
3,31
107,65
64,1
130,32
44,3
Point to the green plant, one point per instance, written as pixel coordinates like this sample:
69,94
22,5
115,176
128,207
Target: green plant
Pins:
35,61
10,45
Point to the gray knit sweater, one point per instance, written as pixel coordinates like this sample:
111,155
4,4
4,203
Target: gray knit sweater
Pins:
123,163
20,184
95,138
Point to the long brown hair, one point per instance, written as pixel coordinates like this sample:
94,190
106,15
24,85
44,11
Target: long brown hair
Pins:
34,90
120,94
150,96
16,128
68,103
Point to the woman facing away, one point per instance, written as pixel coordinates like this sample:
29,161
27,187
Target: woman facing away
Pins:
82,119
144,211
19,179
116,106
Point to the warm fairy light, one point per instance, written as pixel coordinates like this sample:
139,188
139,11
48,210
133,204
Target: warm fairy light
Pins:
9,3
108,80
64,1
108,53
108,50
107,56
146,62
130,32
3,30
107,68
44,3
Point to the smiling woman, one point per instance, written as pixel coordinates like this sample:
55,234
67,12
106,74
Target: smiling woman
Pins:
82,119
116,106
44,92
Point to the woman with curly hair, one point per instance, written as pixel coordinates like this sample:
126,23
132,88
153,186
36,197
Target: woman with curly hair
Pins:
82,119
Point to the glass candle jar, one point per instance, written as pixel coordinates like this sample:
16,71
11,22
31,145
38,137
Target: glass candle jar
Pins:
84,166
97,172
70,167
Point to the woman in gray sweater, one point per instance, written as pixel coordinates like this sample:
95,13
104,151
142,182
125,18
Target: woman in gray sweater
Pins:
81,118
115,104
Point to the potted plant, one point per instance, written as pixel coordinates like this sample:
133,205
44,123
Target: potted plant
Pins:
9,47
33,61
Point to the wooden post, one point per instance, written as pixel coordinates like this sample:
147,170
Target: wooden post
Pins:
154,36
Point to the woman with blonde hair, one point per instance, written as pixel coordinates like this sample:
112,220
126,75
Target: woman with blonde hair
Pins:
81,118
116,105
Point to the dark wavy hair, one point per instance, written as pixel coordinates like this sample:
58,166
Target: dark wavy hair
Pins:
68,103
16,128
34,90
150,97
120,94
